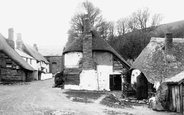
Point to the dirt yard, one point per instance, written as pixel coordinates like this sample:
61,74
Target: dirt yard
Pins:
39,98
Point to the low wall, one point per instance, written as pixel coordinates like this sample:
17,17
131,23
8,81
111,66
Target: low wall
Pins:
46,76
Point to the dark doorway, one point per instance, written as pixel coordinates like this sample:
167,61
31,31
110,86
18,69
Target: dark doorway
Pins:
142,87
115,82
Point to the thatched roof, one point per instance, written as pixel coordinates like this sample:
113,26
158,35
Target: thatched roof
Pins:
4,46
98,44
33,52
153,60
177,79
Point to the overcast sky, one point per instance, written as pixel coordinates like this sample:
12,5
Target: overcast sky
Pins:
46,22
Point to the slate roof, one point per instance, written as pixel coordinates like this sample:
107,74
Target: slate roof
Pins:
4,46
98,44
33,52
51,50
152,60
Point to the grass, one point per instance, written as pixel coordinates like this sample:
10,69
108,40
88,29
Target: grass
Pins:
83,95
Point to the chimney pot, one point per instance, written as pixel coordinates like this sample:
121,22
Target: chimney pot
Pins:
35,46
19,42
11,34
87,24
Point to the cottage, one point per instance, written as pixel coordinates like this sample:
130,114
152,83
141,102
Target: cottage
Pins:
90,63
54,56
12,66
42,63
160,60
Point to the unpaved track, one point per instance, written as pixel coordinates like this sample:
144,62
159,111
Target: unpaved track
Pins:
39,98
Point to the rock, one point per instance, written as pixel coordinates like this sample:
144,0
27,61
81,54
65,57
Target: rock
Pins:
162,97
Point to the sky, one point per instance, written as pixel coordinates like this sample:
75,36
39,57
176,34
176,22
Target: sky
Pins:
46,22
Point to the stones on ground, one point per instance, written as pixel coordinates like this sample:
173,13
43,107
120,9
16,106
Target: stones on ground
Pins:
111,112
61,113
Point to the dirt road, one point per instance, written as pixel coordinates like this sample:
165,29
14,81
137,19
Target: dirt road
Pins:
39,98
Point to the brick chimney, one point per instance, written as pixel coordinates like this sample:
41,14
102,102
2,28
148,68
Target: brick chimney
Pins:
168,43
35,46
10,39
169,56
87,45
19,42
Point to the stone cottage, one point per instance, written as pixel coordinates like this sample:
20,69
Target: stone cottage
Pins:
54,56
12,66
42,63
161,59
90,63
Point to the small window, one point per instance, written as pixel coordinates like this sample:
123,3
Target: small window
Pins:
8,63
54,63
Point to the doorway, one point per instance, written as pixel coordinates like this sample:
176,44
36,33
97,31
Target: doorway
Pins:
115,82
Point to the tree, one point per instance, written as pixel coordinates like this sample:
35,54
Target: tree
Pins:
140,20
72,35
122,26
94,14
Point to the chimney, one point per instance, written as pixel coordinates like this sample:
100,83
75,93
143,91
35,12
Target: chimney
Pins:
168,43
10,39
87,45
19,42
35,46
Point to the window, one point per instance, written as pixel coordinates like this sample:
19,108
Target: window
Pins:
27,60
54,63
30,61
8,63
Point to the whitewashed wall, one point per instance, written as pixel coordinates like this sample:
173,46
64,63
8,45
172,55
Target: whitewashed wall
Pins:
46,66
103,77
134,75
72,59
104,62
32,62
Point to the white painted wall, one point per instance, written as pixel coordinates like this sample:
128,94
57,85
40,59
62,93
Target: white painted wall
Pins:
46,76
134,75
103,77
45,66
32,62
88,80
72,59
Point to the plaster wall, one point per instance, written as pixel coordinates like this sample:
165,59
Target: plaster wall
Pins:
72,59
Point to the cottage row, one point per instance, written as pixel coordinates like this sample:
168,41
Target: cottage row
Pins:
21,62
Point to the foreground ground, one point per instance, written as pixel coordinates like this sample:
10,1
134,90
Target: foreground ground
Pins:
39,98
